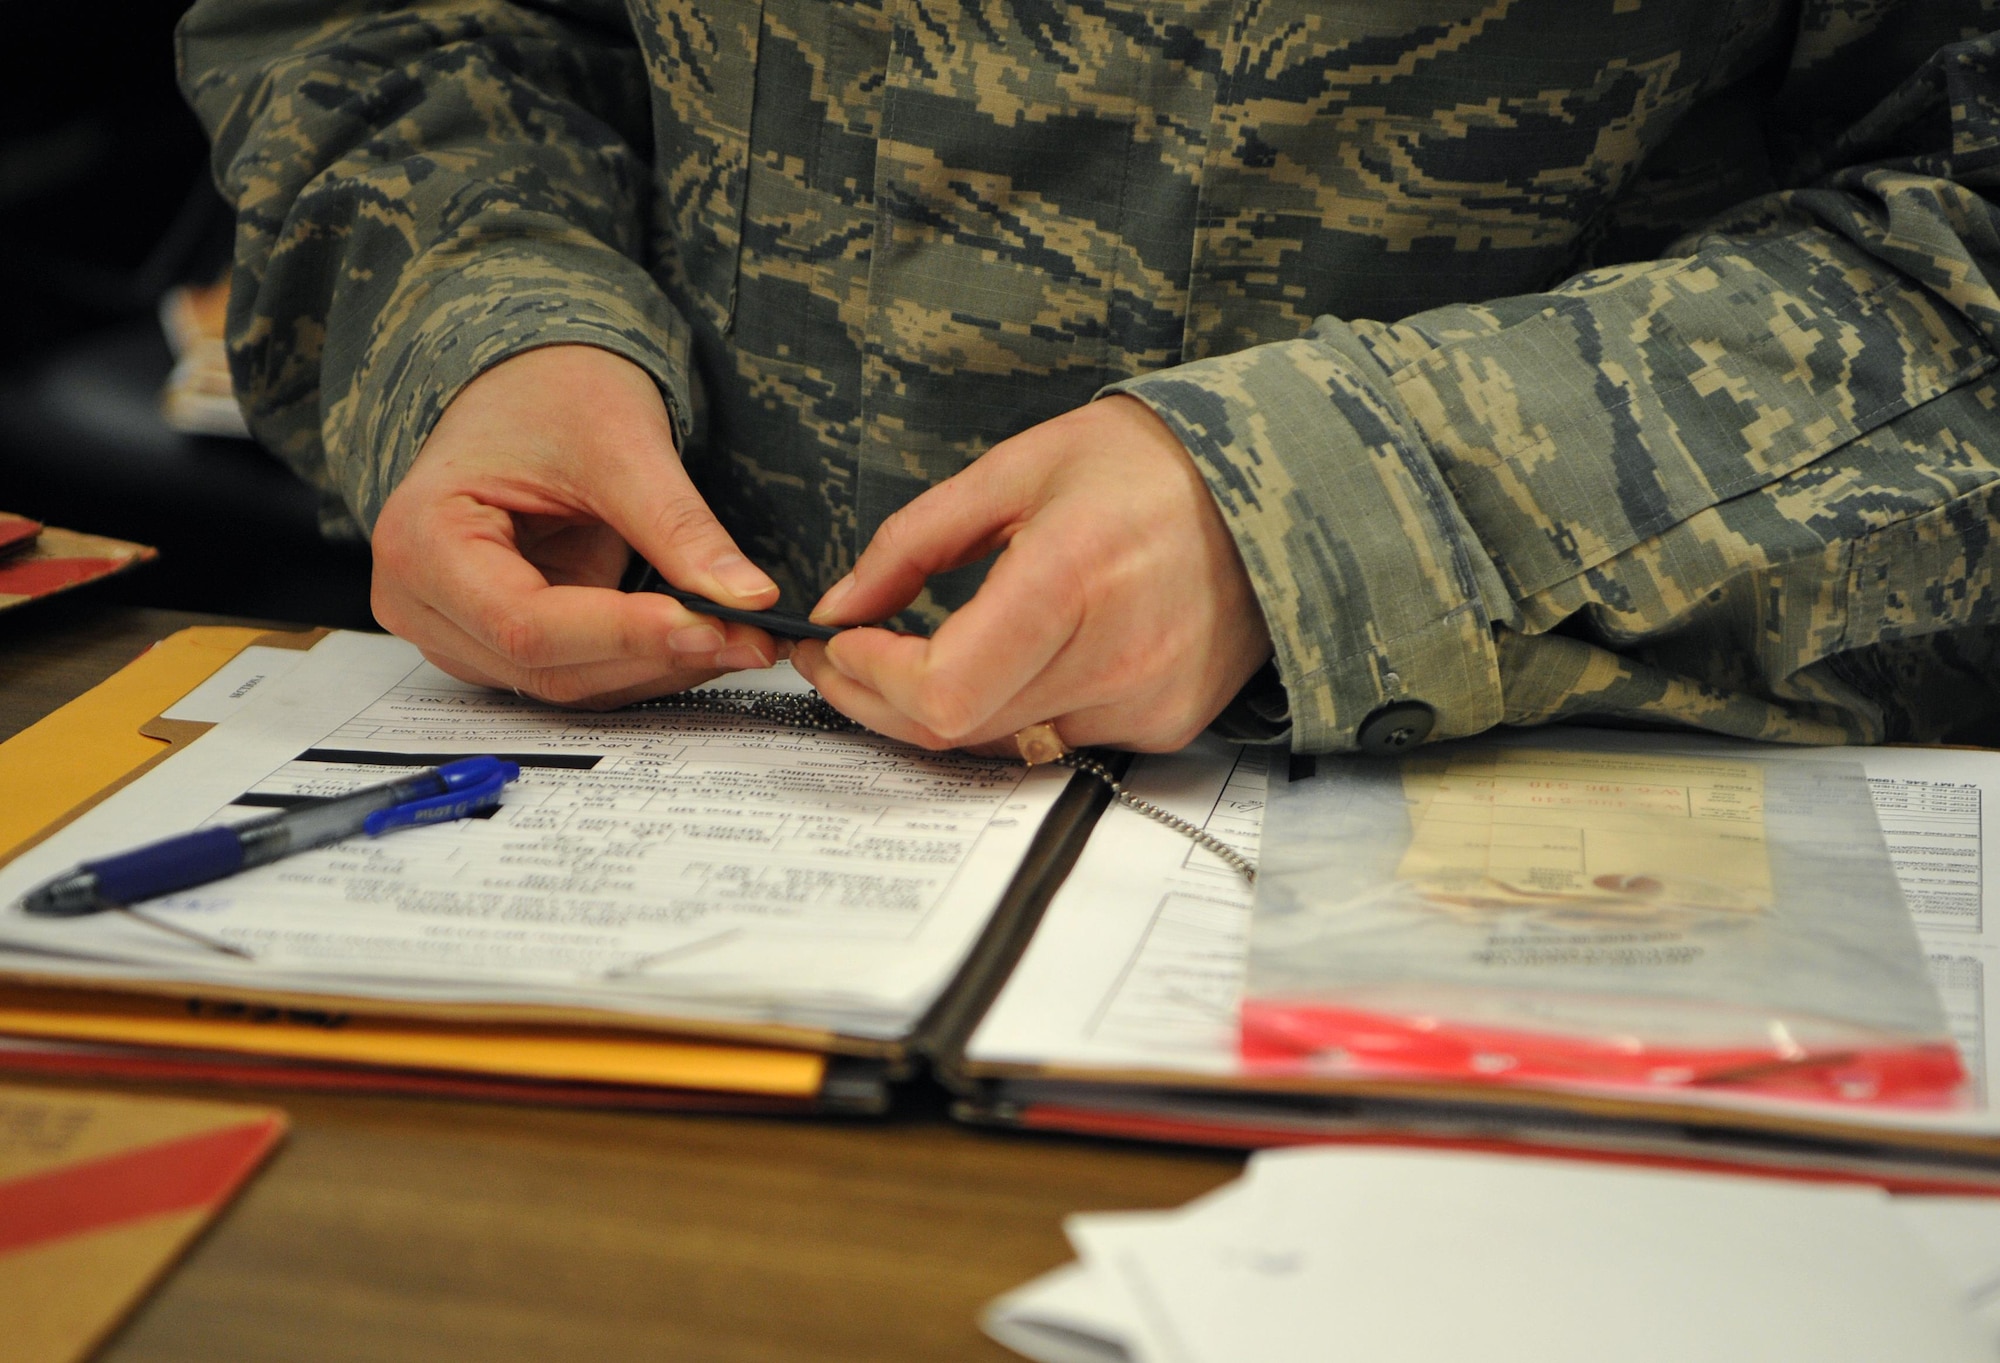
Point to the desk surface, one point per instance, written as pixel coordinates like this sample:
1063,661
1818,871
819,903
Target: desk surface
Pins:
398,1229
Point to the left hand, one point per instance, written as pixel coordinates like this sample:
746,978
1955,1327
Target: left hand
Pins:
1118,608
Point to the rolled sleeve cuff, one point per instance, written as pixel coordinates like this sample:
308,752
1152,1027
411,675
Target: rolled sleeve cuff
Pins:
1368,576
451,322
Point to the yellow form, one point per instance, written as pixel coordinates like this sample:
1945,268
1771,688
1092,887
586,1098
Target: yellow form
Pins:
1580,830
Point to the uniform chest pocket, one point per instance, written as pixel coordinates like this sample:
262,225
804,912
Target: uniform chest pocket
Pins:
702,58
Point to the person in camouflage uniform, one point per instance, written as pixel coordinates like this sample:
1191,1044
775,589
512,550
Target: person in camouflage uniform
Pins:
1481,361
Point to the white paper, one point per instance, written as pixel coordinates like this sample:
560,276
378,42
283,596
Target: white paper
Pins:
1269,1268
1964,1234
1068,1315
1963,1237
1411,1257
645,861
1138,963
1083,1311
1139,960
1939,808
230,685
1119,1300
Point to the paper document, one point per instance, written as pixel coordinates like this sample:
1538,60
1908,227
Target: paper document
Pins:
1138,962
1068,1315
650,862
1406,1257
1578,828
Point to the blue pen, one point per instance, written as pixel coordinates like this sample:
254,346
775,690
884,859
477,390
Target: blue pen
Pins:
432,795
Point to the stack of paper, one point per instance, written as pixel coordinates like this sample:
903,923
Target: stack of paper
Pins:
1405,1257
666,905
648,864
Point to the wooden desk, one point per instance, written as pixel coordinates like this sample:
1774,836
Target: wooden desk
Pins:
396,1229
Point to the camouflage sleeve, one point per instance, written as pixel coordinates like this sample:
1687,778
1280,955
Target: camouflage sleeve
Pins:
421,191
1752,487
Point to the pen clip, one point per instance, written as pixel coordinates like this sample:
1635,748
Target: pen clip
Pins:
453,804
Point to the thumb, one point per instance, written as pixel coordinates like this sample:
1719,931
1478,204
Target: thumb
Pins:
957,522
657,510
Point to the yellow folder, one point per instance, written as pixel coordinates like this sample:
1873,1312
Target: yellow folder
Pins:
576,1055
56,769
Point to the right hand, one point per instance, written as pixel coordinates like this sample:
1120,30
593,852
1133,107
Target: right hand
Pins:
500,552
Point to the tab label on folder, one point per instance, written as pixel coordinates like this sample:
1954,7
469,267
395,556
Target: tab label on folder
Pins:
217,698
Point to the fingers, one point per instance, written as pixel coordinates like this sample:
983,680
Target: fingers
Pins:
589,432
954,683
596,685
1142,723
501,606
484,614
498,552
1119,607
653,504
959,521
587,685
860,703
488,590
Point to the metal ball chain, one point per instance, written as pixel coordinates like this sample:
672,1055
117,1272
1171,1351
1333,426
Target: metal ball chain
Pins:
1201,837
810,711
792,709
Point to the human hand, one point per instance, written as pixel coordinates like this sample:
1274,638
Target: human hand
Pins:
1119,607
499,553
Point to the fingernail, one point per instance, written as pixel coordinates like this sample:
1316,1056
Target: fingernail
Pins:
829,605
740,657
740,575
832,656
695,639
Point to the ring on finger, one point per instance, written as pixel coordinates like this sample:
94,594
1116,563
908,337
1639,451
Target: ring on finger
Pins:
1039,743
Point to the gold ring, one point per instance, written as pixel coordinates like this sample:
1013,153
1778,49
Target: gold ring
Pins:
1039,743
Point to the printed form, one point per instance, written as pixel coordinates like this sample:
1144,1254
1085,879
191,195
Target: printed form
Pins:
1144,972
647,861
1573,828
1138,962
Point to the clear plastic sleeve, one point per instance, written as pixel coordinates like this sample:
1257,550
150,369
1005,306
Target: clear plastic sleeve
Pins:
1592,907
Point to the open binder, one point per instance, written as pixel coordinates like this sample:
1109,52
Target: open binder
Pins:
1127,1060
83,1024
75,1024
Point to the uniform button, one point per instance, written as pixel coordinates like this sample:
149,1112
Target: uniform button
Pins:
1394,728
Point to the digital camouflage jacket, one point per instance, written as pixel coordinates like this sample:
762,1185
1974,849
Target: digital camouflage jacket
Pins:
1548,358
